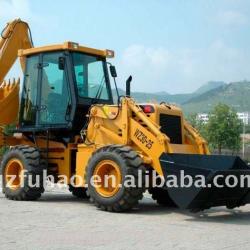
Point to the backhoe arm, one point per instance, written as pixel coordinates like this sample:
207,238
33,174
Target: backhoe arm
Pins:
15,36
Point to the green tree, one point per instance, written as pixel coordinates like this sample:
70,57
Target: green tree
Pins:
192,119
223,128
197,123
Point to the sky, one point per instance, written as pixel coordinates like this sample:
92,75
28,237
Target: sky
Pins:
166,45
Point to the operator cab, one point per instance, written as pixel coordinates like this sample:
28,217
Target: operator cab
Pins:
92,83
60,85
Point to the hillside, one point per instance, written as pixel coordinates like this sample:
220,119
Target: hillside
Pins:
176,98
158,97
235,94
209,86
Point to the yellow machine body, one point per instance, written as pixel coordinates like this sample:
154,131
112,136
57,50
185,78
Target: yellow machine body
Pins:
152,131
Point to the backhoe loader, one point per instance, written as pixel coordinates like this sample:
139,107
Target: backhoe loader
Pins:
68,124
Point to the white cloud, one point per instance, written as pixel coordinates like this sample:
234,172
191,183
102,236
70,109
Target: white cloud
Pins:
231,17
10,9
183,70
151,56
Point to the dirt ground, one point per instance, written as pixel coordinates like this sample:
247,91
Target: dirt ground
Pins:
60,221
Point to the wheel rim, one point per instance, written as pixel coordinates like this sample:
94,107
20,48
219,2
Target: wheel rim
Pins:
107,178
14,168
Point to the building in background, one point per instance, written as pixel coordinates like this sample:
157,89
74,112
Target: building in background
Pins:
203,117
243,116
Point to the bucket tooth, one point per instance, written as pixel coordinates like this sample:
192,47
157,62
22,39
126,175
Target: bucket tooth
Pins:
9,101
3,84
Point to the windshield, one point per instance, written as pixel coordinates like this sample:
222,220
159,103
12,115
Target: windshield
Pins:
90,75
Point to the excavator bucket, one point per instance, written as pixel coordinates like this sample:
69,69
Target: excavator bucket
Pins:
9,102
215,171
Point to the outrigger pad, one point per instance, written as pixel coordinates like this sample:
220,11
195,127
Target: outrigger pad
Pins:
175,166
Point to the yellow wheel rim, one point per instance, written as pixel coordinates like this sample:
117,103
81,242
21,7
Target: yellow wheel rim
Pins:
14,174
107,178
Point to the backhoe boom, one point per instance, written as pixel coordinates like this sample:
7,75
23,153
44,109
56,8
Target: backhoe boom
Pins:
15,36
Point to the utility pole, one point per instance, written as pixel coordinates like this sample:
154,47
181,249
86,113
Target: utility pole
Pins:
243,139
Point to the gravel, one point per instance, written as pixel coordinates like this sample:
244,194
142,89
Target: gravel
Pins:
60,221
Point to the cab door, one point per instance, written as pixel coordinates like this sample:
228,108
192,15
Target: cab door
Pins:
29,102
55,98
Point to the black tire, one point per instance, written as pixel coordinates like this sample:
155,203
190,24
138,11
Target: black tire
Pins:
79,192
161,196
130,163
30,159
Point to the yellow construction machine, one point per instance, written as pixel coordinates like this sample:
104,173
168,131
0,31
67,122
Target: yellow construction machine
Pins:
66,123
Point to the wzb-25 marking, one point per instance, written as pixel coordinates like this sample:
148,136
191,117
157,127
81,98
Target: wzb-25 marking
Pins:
140,136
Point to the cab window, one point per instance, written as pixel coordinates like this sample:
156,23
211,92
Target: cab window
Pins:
91,77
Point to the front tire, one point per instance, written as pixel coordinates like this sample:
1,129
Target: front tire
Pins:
22,164
118,161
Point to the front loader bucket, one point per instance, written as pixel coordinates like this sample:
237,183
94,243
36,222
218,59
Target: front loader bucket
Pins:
214,169
9,102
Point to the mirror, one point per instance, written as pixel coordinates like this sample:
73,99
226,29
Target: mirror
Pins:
61,63
113,71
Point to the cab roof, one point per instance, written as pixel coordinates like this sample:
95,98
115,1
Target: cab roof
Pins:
67,46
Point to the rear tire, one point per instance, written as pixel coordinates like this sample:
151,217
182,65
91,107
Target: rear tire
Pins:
121,161
161,196
79,192
17,159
